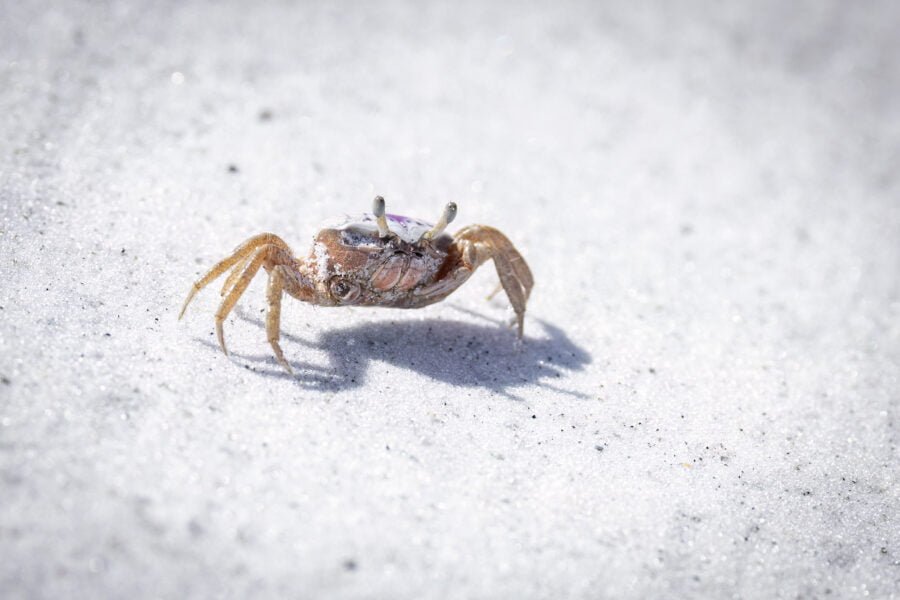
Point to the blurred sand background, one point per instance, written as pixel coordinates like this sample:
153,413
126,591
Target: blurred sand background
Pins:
707,401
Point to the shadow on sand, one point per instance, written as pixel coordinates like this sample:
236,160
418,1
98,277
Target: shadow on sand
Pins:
455,352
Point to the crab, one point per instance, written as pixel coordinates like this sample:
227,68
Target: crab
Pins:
376,259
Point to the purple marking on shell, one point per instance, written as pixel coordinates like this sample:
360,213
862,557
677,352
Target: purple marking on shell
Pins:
404,220
409,230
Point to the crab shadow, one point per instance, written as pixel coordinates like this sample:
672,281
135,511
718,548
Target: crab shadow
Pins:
455,352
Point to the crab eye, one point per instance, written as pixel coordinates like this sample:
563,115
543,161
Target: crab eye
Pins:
344,290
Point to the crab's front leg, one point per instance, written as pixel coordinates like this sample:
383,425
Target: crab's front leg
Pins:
274,293
472,247
285,275
237,261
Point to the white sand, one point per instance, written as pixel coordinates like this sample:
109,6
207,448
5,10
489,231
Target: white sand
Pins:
708,401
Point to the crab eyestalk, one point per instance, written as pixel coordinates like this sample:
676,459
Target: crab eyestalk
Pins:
378,210
446,218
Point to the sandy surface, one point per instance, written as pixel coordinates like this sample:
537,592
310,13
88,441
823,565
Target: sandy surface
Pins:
708,400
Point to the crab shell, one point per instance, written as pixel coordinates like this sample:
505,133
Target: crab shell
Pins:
351,264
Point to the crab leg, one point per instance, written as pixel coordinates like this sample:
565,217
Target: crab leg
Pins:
273,317
268,253
514,288
241,252
482,243
472,247
235,273
201,283
495,292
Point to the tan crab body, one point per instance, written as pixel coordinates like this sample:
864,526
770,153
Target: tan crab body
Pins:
373,260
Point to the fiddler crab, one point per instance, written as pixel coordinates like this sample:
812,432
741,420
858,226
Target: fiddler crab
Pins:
373,260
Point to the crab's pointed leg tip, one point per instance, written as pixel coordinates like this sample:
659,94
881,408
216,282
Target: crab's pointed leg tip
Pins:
220,334
187,301
496,291
519,341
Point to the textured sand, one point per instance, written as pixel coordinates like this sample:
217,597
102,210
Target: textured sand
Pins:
708,400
